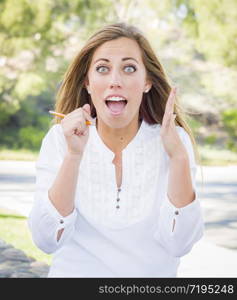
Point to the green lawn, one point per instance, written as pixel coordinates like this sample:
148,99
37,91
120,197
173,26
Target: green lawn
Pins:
217,157
14,230
8,154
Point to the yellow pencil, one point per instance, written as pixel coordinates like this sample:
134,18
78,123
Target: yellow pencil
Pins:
62,116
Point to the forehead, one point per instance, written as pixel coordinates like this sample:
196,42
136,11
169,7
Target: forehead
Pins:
121,47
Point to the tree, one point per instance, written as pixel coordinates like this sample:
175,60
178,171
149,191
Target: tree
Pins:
213,25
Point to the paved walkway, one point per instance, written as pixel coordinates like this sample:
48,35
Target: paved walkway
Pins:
215,255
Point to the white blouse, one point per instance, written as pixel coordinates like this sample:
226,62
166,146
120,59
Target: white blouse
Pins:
126,232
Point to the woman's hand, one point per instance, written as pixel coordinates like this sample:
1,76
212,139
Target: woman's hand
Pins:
169,135
75,129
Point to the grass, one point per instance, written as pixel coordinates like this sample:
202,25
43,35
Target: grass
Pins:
211,156
14,230
23,154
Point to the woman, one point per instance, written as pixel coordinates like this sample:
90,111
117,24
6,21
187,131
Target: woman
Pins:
116,199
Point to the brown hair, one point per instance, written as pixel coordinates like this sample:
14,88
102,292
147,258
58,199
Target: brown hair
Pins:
73,94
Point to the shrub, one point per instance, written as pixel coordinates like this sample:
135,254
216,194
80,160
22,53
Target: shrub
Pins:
229,119
211,139
30,137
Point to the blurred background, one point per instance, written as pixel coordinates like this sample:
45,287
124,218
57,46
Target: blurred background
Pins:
195,40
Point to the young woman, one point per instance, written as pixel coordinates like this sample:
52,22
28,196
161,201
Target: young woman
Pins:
117,198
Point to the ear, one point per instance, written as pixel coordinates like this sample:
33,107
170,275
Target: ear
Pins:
148,86
86,83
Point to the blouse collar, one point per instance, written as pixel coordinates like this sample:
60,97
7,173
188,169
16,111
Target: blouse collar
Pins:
102,147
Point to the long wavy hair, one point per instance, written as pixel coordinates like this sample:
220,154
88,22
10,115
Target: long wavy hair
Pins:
73,94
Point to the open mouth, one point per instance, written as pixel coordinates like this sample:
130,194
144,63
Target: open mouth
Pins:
116,107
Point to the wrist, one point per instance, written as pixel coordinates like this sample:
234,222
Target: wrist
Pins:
180,156
74,155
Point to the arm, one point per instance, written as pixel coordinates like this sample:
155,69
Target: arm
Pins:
53,215
180,189
62,192
53,209
180,222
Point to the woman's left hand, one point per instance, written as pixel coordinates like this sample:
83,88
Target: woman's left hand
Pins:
169,135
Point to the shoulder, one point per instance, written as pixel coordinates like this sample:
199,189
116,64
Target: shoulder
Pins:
150,131
55,132
54,137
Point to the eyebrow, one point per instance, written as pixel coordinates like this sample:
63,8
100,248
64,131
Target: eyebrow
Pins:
123,59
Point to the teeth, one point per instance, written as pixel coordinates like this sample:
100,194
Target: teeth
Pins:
115,99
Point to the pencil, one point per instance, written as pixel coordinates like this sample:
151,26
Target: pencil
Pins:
62,116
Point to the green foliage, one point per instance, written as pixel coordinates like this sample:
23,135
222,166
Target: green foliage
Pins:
194,125
29,84
30,137
25,127
213,24
211,139
231,145
39,38
9,137
229,119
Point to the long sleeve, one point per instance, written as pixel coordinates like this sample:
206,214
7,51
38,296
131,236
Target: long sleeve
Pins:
179,228
44,220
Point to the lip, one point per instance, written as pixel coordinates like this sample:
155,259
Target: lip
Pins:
115,95
113,113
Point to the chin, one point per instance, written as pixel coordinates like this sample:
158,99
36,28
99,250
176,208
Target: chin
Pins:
115,122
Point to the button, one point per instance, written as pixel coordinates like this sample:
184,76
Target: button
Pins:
117,206
118,199
119,190
176,212
61,221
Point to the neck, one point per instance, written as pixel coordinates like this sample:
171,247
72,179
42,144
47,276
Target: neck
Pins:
116,139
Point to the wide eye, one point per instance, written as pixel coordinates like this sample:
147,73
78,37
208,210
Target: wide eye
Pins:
101,69
130,69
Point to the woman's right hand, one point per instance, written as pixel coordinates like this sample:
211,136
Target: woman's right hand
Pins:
75,129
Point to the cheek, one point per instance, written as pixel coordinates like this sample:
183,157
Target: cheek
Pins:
98,85
136,84
136,89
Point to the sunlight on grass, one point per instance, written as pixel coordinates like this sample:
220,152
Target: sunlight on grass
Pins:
14,230
7,154
217,157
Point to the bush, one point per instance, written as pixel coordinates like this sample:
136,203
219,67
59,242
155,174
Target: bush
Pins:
231,146
194,124
229,119
211,139
30,137
9,138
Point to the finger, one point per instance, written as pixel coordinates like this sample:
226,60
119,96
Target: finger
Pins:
87,108
87,116
83,113
169,108
172,121
167,121
171,100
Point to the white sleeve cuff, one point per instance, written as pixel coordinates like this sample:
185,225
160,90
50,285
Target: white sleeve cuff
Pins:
61,221
175,211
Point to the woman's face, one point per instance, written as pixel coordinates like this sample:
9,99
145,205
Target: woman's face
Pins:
116,81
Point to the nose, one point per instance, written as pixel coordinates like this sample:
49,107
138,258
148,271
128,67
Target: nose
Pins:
115,80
